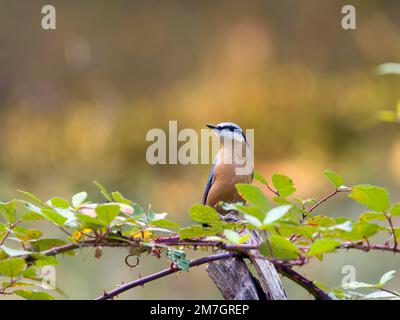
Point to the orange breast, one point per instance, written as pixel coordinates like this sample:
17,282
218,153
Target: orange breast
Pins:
223,188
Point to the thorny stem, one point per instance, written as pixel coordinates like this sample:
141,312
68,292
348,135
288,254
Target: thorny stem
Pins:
163,273
12,226
326,198
302,281
273,190
389,219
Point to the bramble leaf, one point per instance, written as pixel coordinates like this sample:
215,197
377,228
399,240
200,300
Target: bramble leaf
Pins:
387,276
276,213
7,210
283,184
33,295
103,191
375,198
281,248
335,178
204,214
107,212
12,267
253,195
321,246
79,198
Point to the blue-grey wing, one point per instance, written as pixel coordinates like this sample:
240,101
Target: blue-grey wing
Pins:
209,184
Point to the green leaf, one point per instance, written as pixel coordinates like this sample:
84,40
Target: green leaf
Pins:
258,176
357,285
253,220
54,216
26,234
197,232
137,211
48,213
321,221
31,216
281,248
283,184
322,246
276,213
253,195
107,212
235,237
375,198
12,267
379,295
7,210
46,244
249,210
387,276
43,260
14,252
361,230
79,198
103,191
395,210
204,214
335,178
178,257
59,203
165,223
31,196
371,216
118,197
33,295
90,222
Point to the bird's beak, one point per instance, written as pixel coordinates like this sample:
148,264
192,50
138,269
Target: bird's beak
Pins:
212,127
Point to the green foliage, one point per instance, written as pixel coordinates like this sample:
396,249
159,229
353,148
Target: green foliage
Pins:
32,295
283,184
7,210
79,198
279,248
321,246
178,258
253,195
235,237
107,212
12,267
375,198
335,178
380,291
204,214
290,232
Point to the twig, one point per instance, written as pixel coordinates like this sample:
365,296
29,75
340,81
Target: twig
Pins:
273,190
389,219
326,198
163,273
12,226
351,245
302,281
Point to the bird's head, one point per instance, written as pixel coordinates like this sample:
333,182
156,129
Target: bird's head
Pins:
228,130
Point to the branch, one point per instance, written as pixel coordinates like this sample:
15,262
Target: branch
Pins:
393,233
12,226
327,198
366,248
163,273
305,283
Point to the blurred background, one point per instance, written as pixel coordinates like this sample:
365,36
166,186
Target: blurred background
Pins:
76,104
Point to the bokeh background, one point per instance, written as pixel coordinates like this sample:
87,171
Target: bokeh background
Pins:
76,104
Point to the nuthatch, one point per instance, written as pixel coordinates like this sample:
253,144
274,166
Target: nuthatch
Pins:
233,164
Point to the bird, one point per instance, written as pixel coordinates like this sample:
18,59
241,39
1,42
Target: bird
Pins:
233,164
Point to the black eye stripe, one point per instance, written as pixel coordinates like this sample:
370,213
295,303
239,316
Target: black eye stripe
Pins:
230,128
